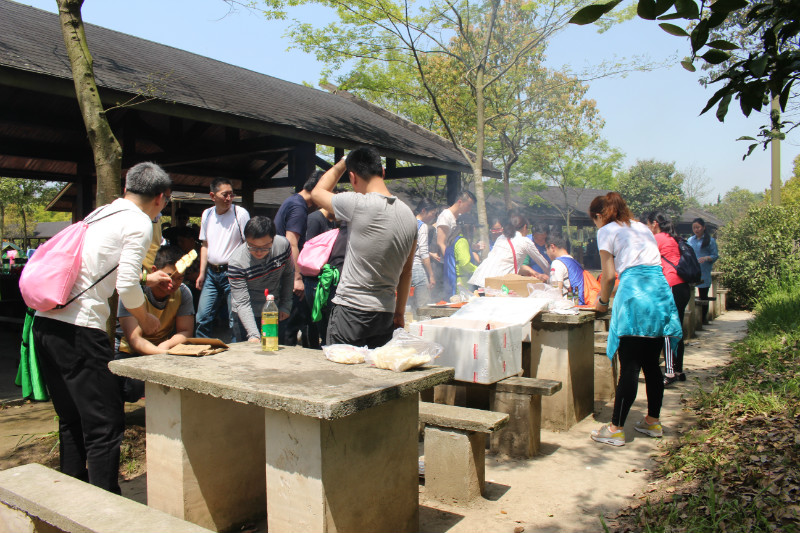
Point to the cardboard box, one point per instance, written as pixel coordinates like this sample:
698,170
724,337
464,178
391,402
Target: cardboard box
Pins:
477,354
516,283
184,348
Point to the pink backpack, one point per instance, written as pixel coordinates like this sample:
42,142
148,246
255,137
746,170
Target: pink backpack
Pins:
50,274
316,252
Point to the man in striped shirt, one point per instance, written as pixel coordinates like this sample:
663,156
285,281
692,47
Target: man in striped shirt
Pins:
263,261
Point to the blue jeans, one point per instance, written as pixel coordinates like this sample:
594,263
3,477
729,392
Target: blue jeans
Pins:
215,300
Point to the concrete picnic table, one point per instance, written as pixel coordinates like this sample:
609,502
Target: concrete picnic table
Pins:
339,442
561,348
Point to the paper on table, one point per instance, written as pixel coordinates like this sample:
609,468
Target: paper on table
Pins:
506,310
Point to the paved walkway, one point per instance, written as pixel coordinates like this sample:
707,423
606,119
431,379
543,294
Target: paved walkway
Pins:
564,490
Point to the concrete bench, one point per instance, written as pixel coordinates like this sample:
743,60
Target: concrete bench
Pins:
705,309
36,499
521,399
455,449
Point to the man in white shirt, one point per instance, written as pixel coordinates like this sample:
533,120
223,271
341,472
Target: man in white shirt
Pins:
449,218
71,342
221,232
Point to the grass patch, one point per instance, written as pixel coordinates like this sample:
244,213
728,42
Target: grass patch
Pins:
738,470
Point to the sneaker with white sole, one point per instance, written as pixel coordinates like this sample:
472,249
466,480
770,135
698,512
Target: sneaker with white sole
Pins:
605,436
652,430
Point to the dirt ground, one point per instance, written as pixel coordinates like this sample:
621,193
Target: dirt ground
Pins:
566,489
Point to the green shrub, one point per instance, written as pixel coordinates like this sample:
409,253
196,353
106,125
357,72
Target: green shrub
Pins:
758,251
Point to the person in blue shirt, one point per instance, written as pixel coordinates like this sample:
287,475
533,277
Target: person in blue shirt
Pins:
539,233
705,248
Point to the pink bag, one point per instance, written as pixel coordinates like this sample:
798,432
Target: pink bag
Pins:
316,252
49,275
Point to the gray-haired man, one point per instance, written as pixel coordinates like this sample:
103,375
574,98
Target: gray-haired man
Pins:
72,345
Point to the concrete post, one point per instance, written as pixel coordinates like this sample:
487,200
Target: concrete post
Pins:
565,353
373,453
454,464
521,437
184,430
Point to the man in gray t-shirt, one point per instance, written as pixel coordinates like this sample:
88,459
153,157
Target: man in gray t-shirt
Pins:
380,252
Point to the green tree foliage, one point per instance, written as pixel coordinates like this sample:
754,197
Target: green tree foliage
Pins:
766,68
735,204
790,193
21,200
652,185
757,250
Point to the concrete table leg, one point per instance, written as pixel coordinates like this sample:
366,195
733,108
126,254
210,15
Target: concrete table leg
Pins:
521,437
565,353
455,464
205,458
606,375
358,473
15,521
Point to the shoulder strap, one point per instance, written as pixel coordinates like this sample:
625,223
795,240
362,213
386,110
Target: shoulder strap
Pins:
104,276
236,218
513,254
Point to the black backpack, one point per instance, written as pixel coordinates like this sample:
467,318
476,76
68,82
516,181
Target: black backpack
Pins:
688,267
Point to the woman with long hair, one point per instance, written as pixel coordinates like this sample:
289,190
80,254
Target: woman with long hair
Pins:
508,252
667,239
705,248
644,313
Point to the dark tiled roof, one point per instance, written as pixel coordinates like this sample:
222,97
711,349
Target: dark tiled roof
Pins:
31,40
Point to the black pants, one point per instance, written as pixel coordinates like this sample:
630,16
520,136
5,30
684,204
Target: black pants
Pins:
299,320
673,361
635,354
702,293
359,328
86,397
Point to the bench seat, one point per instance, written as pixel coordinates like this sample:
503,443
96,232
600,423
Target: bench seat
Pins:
455,450
34,498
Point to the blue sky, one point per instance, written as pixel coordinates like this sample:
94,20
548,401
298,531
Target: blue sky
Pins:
648,115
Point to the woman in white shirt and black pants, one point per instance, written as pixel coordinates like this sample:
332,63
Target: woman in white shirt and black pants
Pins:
644,313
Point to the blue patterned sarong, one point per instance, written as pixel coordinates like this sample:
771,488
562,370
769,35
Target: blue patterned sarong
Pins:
643,307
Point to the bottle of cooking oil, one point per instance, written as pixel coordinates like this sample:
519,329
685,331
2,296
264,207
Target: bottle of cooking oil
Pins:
269,324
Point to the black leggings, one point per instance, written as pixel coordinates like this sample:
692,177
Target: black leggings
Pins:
702,293
673,361
635,354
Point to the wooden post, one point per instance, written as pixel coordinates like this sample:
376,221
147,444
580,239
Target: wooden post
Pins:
301,164
453,187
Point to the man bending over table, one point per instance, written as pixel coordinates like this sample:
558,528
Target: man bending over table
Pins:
173,306
263,261
380,251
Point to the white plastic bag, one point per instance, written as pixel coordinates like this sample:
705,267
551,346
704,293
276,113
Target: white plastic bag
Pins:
345,353
404,351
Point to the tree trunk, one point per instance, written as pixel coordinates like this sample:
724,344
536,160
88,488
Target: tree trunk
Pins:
24,229
507,186
105,147
477,165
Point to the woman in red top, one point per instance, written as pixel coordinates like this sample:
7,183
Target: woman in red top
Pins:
661,226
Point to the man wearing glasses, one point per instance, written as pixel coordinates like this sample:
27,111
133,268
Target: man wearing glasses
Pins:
171,304
264,261
221,232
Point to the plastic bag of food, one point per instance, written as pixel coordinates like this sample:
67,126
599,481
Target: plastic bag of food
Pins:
345,353
404,351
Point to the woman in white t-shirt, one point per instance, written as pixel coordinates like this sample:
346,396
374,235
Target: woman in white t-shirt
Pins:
508,252
644,313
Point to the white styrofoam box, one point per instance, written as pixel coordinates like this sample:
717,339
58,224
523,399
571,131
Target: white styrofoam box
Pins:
478,355
505,310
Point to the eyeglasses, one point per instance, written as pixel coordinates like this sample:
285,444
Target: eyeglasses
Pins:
259,249
228,194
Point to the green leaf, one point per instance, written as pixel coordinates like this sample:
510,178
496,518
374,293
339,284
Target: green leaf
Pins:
721,44
688,65
714,99
672,29
662,6
646,9
715,57
726,6
687,9
746,109
746,138
722,109
716,19
758,65
591,13
785,95
749,151
699,35
671,16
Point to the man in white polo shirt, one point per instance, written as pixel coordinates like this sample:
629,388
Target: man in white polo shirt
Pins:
71,343
221,231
